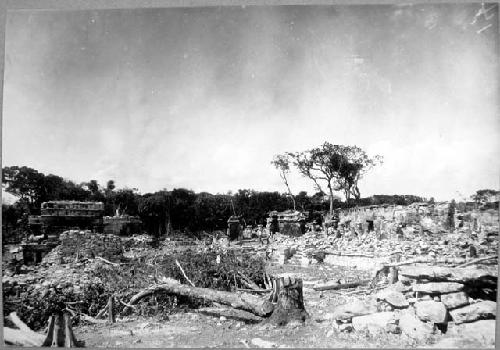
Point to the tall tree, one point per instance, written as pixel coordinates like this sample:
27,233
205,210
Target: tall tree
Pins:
483,196
282,163
24,182
338,167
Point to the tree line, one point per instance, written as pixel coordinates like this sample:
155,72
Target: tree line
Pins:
178,209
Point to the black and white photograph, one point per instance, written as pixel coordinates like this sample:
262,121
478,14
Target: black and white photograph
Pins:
250,175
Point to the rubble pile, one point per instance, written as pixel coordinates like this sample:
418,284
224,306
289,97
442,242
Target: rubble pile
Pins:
80,245
428,300
396,244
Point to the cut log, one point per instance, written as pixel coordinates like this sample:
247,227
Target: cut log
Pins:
241,301
234,314
290,304
336,285
23,326
22,338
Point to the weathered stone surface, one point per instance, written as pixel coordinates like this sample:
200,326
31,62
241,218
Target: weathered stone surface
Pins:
454,300
482,310
438,287
451,274
431,311
393,297
483,331
457,343
346,327
413,327
373,322
355,308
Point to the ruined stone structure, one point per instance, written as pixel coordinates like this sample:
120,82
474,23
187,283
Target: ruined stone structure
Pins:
123,225
290,222
58,216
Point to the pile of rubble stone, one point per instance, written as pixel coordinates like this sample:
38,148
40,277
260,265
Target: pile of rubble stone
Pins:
88,245
64,279
429,300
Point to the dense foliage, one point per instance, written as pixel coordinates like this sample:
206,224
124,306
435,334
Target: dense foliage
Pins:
338,167
202,268
178,209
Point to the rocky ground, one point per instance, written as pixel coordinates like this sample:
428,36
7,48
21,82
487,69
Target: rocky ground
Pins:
432,303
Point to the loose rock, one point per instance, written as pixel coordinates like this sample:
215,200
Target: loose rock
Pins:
438,287
481,310
454,300
431,311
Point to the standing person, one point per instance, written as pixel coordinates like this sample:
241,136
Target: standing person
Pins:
302,224
274,225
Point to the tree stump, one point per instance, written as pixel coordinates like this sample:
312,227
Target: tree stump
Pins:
111,314
288,296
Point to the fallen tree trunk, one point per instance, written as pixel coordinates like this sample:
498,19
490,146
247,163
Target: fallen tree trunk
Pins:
22,338
479,260
239,315
241,301
336,286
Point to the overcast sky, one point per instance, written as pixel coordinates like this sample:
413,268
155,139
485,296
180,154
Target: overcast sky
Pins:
202,98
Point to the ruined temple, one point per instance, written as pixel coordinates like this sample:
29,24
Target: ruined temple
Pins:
58,216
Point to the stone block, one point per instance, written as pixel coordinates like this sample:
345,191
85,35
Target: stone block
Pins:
373,322
482,310
431,311
438,287
413,327
454,300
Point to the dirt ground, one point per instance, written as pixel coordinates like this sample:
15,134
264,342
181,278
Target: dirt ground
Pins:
192,329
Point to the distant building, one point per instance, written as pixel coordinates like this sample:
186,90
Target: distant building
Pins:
124,225
58,216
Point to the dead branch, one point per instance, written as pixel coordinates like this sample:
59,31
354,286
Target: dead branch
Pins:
337,286
239,315
475,261
183,273
250,284
107,261
127,305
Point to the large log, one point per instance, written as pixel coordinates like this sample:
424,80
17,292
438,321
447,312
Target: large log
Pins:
336,285
235,314
241,301
22,338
